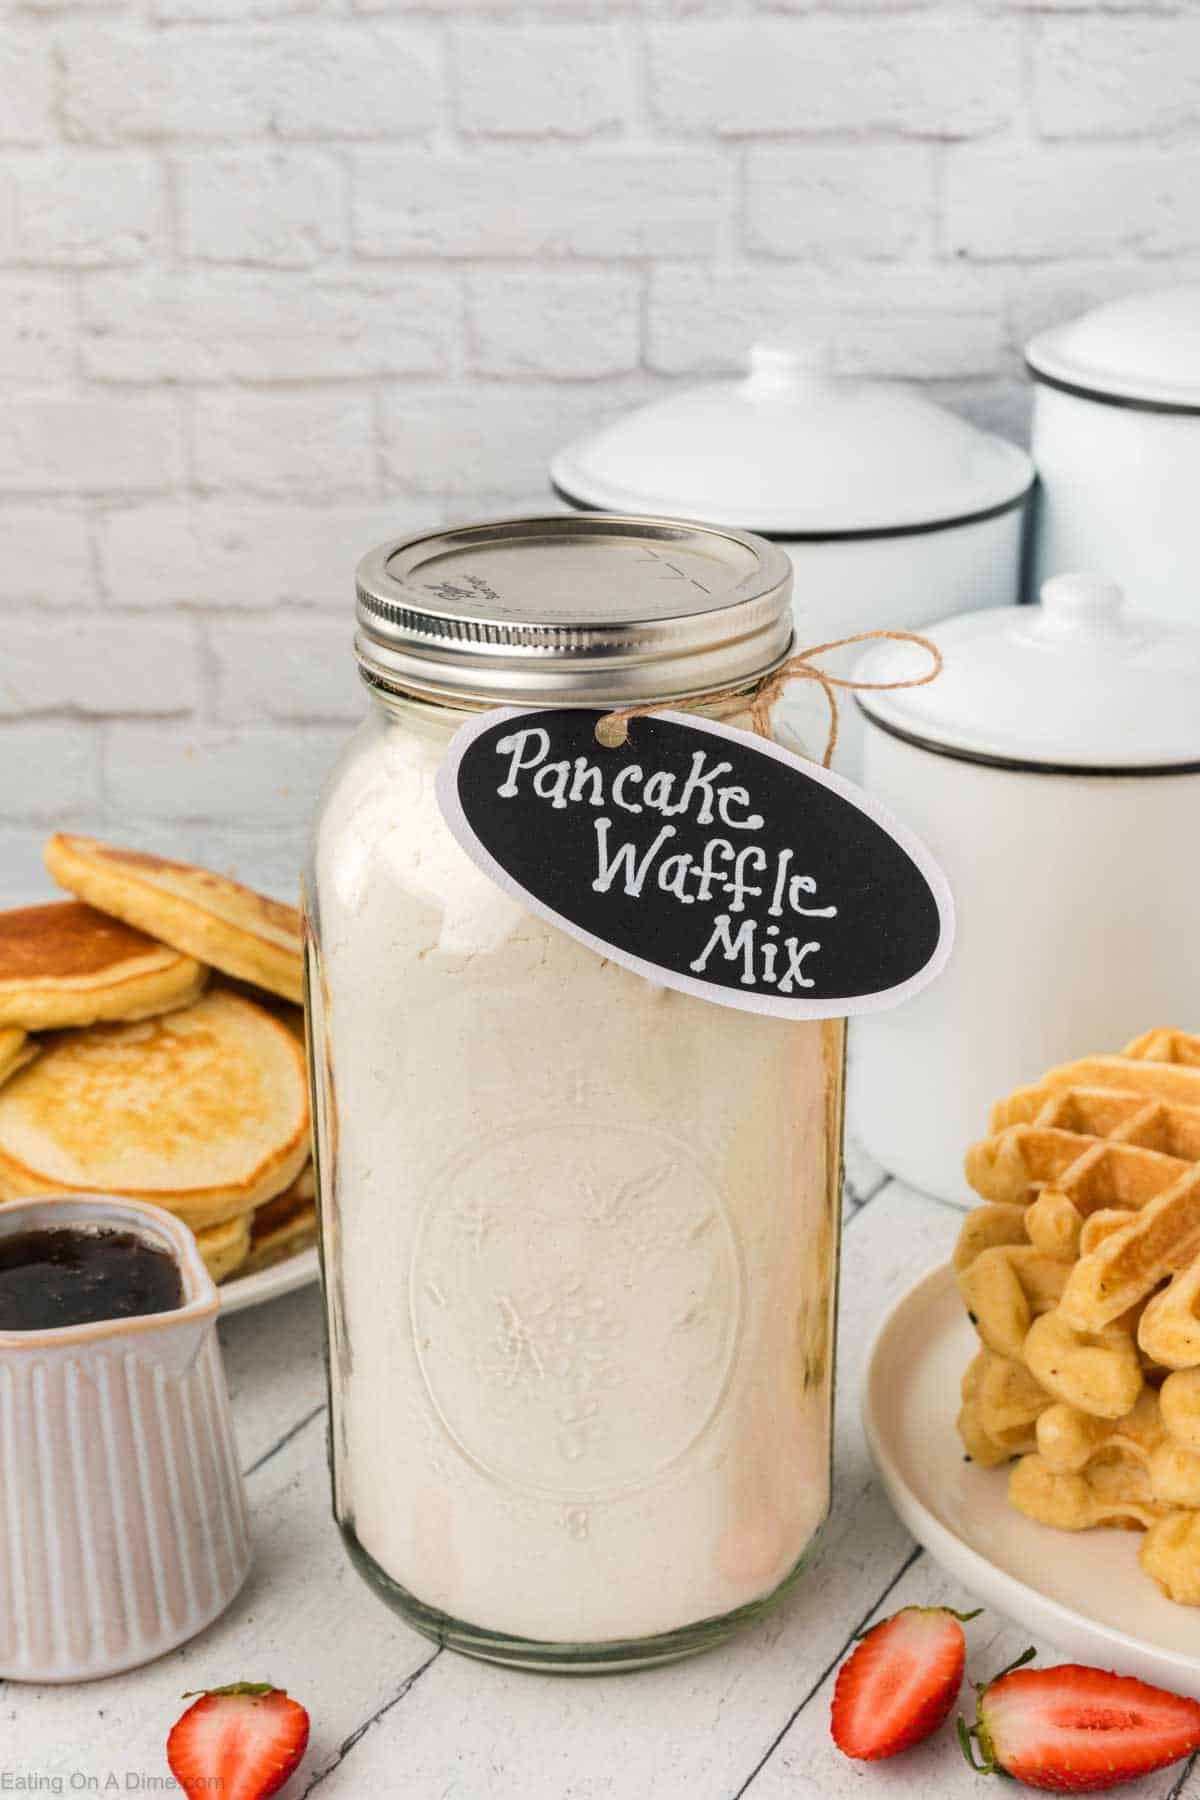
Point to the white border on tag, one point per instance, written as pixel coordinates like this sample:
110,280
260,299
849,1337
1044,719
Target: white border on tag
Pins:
772,1006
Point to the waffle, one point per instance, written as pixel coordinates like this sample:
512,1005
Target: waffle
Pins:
1170,1555
1104,1135
1001,1403
1086,1471
1165,1045
1005,1288
1179,1398
1099,1372
1081,1274
1113,1492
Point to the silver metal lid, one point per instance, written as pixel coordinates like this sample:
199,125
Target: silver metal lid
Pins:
584,611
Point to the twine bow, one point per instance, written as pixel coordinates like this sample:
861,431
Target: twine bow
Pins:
612,730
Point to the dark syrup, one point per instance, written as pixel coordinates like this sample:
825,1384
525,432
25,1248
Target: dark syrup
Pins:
67,1275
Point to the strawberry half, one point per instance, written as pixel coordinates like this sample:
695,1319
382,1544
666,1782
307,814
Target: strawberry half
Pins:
1076,1730
900,1683
237,1743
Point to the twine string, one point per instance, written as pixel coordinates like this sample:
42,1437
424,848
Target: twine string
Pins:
612,730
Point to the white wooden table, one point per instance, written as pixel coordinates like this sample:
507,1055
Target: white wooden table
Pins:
394,1716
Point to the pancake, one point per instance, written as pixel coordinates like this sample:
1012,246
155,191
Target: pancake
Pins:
286,1011
305,1186
203,1111
225,1247
15,1051
281,1228
66,964
207,916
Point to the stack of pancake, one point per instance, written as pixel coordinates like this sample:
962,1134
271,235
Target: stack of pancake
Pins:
152,1045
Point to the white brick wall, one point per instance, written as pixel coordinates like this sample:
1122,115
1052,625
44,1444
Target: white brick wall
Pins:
280,278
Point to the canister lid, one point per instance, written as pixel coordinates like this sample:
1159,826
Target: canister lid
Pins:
796,451
1142,351
1079,682
573,610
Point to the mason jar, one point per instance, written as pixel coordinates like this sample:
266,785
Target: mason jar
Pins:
579,1230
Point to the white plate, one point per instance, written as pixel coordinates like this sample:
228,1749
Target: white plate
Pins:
281,1278
1083,1591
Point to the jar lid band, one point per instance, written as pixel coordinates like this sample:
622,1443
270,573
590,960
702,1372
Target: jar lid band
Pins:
596,610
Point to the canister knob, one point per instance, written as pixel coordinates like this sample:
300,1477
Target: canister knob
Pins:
779,366
1080,605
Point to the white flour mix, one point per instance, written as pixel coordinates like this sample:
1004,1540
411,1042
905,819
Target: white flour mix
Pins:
580,1238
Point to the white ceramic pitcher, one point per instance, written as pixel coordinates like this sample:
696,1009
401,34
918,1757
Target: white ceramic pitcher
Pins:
123,1526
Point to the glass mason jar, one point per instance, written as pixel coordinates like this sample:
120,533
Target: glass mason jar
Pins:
579,1231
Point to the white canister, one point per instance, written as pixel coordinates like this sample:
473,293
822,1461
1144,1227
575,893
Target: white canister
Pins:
893,511
1116,439
1054,771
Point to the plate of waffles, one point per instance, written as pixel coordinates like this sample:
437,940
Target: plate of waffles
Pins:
1033,1408
152,1047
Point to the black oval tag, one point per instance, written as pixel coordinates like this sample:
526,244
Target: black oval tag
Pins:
703,857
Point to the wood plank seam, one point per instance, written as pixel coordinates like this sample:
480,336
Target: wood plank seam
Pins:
858,1201
360,1731
913,1557
282,1443
1181,1780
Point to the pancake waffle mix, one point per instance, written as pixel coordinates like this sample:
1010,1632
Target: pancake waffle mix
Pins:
586,1248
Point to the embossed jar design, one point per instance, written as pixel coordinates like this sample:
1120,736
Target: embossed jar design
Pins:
579,1229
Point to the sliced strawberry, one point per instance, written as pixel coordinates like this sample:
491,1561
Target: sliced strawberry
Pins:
239,1742
900,1683
1076,1730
